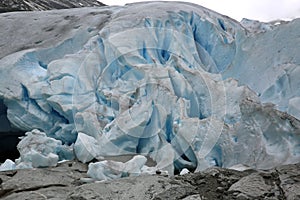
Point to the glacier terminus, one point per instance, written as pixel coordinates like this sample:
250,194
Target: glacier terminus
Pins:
168,86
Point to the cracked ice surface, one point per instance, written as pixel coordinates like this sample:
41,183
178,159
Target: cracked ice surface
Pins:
178,83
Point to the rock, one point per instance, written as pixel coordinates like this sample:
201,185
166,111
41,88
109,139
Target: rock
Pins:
143,187
242,197
64,182
193,197
289,181
35,5
253,186
38,183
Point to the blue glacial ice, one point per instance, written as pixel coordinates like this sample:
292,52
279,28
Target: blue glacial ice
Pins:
38,150
174,82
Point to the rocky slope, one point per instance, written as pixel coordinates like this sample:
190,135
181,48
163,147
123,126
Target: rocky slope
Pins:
35,5
69,181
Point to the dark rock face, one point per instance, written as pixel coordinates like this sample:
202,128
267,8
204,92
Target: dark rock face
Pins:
35,5
69,181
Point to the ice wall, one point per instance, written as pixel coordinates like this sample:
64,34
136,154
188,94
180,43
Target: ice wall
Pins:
176,82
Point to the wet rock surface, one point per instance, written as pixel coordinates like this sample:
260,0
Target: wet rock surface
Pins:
69,181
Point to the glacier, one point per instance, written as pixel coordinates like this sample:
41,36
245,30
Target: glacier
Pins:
173,82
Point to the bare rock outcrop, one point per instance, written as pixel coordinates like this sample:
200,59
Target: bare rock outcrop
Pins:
69,181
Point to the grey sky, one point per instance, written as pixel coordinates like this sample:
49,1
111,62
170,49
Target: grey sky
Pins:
263,10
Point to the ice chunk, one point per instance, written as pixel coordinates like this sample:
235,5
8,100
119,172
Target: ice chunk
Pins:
240,167
108,169
38,150
85,148
40,160
8,165
134,166
105,170
184,171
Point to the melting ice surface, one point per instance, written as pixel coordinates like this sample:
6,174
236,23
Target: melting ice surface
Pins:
176,83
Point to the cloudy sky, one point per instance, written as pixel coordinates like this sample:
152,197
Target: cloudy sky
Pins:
263,10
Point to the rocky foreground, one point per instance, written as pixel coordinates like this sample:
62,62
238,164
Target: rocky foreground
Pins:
69,181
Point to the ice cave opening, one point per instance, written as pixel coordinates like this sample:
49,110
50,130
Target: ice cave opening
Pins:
9,136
